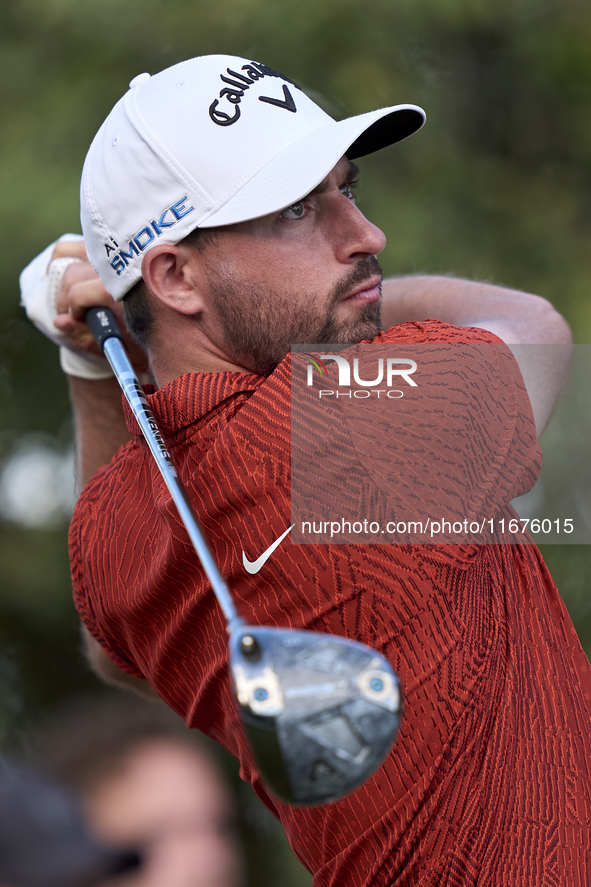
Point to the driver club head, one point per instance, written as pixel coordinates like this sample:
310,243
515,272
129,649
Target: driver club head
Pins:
320,711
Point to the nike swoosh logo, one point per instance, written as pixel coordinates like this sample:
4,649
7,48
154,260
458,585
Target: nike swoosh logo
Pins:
254,566
288,104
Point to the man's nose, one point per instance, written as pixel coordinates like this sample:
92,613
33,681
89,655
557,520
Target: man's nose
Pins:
358,236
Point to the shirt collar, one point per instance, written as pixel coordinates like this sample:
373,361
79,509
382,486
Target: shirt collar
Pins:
191,397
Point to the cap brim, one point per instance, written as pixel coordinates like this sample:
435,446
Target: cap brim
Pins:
302,165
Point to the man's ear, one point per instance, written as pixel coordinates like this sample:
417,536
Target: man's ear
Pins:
171,273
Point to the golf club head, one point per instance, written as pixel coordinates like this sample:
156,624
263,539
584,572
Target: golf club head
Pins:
320,711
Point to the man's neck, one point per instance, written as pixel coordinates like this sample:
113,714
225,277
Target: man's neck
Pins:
181,346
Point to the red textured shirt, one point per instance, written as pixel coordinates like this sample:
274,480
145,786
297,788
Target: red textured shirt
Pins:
489,780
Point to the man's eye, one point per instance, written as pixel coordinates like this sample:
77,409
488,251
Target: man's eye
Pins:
347,190
295,211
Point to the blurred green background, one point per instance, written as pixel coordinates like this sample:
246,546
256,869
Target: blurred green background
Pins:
496,187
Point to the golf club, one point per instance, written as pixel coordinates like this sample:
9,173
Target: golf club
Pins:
320,711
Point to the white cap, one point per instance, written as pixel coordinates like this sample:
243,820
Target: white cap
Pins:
211,141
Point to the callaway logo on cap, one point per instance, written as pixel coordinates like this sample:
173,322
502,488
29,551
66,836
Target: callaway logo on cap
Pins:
211,141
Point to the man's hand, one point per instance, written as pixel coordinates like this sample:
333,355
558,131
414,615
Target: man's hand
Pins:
81,288
57,289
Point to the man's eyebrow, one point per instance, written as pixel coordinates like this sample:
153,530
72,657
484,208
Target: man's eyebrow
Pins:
351,174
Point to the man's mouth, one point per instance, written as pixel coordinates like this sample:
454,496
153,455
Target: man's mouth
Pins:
366,292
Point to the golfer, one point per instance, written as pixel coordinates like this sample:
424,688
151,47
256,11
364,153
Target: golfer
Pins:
218,211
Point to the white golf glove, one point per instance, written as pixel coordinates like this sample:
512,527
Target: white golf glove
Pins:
39,284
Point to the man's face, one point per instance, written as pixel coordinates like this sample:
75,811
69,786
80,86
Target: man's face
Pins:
306,275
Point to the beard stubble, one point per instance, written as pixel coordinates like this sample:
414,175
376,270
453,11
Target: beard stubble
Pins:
259,331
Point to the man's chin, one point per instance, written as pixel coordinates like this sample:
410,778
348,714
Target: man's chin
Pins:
366,327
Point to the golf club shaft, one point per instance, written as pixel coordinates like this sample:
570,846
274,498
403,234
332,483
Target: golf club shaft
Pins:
107,333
